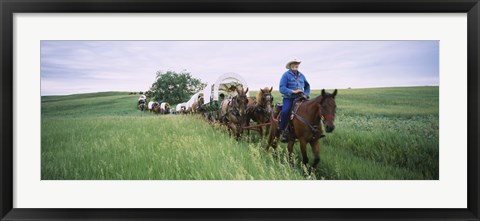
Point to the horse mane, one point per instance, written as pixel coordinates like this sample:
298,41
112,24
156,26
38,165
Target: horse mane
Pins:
260,94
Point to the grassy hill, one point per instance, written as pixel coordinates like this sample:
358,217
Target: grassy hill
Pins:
381,133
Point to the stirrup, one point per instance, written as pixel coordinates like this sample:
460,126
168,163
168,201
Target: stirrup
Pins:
283,136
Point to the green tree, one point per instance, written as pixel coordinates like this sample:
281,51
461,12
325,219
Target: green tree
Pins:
174,88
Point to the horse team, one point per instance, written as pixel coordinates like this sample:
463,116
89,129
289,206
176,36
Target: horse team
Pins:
239,111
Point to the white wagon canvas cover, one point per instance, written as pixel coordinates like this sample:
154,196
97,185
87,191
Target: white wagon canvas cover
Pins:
179,106
226,84
193,99
162,106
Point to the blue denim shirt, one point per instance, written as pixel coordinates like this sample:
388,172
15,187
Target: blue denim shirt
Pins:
289,83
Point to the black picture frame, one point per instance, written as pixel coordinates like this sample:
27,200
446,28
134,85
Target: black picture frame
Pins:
9,7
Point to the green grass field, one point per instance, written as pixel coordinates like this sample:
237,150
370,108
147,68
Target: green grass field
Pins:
381,134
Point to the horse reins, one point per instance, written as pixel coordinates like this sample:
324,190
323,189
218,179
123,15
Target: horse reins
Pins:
232,103
314,128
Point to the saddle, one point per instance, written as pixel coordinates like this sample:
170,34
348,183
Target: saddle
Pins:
296,104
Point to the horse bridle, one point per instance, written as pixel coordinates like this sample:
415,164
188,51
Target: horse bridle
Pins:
236,110
261,106
314,128
324,117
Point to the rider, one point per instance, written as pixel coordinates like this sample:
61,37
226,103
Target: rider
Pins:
292,84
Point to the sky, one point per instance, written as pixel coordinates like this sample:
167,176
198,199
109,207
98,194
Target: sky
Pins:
71,67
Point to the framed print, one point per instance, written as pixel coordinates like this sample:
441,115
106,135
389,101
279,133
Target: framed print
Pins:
239,110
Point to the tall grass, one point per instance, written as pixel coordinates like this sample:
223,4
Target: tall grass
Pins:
384,133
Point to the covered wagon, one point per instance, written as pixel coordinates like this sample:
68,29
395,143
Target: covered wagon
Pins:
181,107
165,108
191,104
224,87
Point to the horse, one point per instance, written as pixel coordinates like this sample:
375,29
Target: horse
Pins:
306,124
260,110
141,106
251,102
274,132
232,112
193,108
197,105
200,103
155,107
168,109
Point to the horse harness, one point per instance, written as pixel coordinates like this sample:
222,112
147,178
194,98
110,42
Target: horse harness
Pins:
235,110
314,128
260,108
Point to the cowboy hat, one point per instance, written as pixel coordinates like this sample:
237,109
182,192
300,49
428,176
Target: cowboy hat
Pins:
292,62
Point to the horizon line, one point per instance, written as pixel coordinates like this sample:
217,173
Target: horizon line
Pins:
314,89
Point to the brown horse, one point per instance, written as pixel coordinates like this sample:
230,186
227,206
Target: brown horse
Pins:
156,108
306,124
193,108
200,103
274,132
196,106
260,110
232,112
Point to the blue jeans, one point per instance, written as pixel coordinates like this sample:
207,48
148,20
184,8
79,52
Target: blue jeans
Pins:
284,118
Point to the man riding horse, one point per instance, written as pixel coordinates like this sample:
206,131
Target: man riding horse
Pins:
293,84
